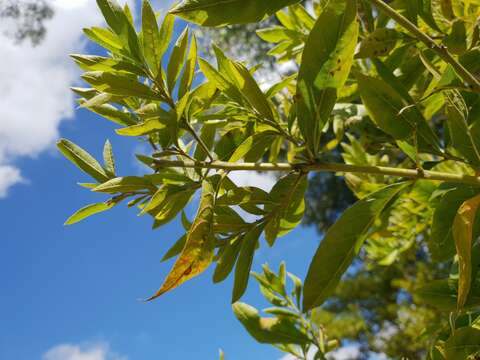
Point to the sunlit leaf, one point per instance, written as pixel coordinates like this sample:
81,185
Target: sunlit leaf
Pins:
197,253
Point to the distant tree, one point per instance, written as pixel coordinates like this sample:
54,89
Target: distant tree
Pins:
26,19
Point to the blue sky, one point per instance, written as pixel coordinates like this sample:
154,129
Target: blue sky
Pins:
71,293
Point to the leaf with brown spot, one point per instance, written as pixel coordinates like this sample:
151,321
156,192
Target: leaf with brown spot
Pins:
198,251
463,234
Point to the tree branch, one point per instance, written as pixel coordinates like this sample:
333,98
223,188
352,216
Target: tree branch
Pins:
322,167
441,50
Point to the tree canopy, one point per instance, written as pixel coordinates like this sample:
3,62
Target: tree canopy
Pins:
386,98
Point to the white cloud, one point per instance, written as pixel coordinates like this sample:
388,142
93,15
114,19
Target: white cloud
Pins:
8,176
263,181
349,352
97,351
34,84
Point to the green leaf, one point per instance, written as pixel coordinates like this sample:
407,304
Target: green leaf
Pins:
145,128
461,137
207,135
166,31
189,70
463,343
87,211
254,147
378,43
238,75
125,185
177,59
220,81
168,201
277,34
113,14
108,159
101,63
326,62
456,41
82,160
104,38
118,21
268,330
286,206
221,12
244,262
119,84
426,13
227,260
442,294
151,38
463,236
427,140
384,105
198,251
341,244
175,249
441,243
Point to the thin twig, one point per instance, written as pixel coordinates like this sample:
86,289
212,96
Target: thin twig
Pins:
441,50
322,167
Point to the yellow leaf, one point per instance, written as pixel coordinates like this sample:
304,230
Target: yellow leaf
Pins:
198,251
462,234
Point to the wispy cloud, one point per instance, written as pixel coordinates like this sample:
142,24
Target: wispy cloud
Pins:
95,351
349,352
34,84
264,181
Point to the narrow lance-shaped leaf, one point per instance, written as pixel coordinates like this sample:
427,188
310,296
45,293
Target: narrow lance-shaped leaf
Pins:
441,243
105,38
268,330
119,84
238,75
166,31
286,207
461,137
118,21
384,106
108,159
462,234
220,12
189,70
341,244
151,38
87,211
227,260
244,262
199,247
177,59
326,62
82,159
125,184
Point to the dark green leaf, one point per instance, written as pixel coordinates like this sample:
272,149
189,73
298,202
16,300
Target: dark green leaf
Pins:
341,244
244,262
326,62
